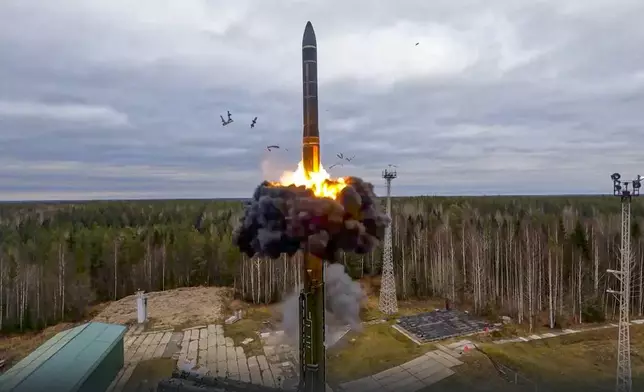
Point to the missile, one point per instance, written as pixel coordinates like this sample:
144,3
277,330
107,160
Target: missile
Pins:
311,312
311,133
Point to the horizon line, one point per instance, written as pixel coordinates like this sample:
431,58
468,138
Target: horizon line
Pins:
247,198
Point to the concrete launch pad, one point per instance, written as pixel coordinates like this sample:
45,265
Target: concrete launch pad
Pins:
440,324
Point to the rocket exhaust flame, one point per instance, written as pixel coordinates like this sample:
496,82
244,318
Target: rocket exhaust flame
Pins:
319,182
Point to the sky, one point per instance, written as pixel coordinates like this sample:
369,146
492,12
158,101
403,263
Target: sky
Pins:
120,99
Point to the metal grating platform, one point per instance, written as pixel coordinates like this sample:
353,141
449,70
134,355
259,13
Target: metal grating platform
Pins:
441,324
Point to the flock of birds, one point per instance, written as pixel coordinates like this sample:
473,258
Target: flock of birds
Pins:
230,120
342,158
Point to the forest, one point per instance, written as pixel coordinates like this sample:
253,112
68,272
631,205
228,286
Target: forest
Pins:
540,260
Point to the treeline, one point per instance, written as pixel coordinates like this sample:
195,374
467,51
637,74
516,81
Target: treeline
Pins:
537,259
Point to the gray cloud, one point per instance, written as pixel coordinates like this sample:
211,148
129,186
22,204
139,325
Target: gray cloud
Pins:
105,99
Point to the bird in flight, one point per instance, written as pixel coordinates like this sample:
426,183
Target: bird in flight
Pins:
340,156
334,165
226,122
417,43
270,148
392,165
252,125
349,159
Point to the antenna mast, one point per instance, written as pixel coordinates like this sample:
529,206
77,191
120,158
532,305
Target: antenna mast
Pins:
620,188
388,302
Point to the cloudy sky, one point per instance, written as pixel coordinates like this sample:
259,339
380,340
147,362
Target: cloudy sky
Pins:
121,98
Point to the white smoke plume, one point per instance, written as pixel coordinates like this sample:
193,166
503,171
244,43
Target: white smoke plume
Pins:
343,297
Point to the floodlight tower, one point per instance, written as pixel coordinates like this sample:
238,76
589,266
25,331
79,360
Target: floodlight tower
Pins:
620,188
388,302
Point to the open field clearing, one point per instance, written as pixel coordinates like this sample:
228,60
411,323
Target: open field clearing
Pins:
175,309
585,359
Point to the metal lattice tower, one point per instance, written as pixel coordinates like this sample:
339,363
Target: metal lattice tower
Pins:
624,381
388,302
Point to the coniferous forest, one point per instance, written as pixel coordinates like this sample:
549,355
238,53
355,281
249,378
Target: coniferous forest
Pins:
540,260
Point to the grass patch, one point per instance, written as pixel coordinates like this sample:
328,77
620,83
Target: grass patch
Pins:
378,347
251,323
587,359
147,374
15,347
476,375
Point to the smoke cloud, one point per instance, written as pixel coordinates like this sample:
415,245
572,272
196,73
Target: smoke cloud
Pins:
280,219
343,297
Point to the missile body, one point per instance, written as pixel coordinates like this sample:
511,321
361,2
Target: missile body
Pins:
311,133
311,314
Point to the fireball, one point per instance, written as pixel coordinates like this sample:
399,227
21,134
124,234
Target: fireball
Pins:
319,182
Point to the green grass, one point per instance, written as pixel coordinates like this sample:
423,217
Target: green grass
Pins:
378,347
587,359
476,375
248,327
370,311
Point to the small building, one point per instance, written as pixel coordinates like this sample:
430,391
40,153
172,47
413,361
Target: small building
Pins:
81,359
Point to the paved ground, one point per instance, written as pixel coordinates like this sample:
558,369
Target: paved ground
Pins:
439,325
413,375
206,349
140,346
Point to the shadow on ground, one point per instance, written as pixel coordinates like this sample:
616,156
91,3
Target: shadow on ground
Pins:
148,373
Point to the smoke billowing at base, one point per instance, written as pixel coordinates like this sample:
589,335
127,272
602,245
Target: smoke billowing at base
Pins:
343,297
282,219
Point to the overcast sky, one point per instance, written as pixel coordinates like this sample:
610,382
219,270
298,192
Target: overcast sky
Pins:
122,98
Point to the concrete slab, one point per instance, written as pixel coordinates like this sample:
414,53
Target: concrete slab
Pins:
395,378
439,359
389,372
365,384
441,324
459,344
437,376
414,362
425,369
403,383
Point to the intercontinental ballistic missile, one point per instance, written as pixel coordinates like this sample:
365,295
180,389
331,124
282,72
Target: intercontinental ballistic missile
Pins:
311,133
311,313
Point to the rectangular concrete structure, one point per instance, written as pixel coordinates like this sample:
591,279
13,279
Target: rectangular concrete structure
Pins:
84,358
440,324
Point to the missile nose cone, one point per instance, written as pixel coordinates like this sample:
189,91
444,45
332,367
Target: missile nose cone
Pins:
309,35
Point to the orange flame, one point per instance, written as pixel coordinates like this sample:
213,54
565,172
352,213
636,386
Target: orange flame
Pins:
319,182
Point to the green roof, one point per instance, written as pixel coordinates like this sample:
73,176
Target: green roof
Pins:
65,361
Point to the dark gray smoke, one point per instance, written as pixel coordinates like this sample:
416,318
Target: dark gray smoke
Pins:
342,299
280,219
